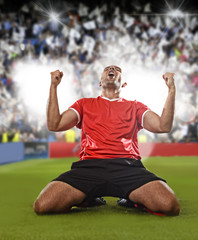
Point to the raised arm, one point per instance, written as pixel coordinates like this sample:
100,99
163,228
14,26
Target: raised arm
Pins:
56,121
153,122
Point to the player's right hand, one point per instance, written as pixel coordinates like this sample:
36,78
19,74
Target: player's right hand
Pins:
56,77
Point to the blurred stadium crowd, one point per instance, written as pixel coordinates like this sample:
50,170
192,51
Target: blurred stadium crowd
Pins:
86,37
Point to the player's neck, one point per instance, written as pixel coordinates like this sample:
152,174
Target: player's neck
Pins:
110,93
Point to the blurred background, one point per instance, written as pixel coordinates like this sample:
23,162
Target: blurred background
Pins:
145,38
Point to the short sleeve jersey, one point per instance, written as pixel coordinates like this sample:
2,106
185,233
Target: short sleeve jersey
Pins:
109,127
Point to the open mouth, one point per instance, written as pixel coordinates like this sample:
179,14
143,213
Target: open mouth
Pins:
111,75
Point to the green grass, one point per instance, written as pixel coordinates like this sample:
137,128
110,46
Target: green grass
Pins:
21,182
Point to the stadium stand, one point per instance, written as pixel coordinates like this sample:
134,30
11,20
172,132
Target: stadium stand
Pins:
86,36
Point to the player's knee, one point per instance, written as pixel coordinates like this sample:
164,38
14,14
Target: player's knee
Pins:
175,208
172,208
38,207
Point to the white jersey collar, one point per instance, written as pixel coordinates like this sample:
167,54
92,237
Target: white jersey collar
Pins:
114,99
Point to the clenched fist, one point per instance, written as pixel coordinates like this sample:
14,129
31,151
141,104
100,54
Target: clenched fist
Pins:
56,77
169,80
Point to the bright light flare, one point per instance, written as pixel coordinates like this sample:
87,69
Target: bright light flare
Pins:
49,13
146,86
176,13
34,81
186,112
54,17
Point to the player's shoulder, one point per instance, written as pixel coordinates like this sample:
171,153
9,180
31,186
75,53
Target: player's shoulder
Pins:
137,102
140,105
89,99
86,100
134,103
126,100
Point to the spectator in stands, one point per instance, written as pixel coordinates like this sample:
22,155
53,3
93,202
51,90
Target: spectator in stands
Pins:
5,135
16,135
156,41
1,135
193,131
70,136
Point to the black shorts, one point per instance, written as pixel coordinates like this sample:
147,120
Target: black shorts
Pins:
107,177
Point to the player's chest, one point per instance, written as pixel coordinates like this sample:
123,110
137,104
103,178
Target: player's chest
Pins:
109,112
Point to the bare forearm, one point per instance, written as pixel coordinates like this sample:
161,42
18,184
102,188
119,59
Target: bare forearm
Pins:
53,113
167,116
55,120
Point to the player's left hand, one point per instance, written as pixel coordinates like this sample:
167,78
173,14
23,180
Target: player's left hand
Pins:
169,80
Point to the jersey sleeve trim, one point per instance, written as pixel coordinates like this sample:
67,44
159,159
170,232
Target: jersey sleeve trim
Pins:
77,113
142,123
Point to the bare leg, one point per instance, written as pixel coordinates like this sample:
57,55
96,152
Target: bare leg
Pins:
157,196
58,197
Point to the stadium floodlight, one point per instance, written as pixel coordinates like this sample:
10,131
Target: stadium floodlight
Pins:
48,12
176,13
54,17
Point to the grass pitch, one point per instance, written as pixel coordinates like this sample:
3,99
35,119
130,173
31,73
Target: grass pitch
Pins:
20,183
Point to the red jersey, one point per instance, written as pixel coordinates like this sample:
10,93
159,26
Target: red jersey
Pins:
109,127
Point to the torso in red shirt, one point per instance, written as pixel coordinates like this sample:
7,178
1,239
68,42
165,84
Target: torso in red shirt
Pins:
109,127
